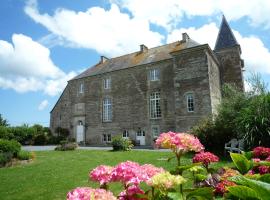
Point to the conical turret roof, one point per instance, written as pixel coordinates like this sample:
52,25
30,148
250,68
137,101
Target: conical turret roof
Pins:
225,37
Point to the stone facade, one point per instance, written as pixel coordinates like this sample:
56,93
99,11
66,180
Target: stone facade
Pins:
190,77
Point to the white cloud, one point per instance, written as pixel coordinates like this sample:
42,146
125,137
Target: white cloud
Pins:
168,13
254,52
43,105
109,32
26,66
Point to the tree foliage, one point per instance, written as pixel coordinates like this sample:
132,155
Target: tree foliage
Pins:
3,122
240,115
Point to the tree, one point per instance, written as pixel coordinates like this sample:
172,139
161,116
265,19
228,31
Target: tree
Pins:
3,122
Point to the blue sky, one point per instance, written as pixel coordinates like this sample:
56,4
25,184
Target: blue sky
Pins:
43,44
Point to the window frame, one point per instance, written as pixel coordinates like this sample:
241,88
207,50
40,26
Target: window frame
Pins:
154,74
107,83
107,137
107,109
190,102
158,131
125,134
81,88
155,105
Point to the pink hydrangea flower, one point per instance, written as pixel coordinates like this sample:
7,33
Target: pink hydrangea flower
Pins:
151,170
268,159
87,193
256,160
128,173
205,157
179,142
130,192
261,152
101,174
264,169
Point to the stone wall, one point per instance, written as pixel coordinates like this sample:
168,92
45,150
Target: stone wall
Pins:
191,77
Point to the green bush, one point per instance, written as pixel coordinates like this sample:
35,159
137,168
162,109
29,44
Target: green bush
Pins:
5,157
10,146
5,133
121,144
40,139
24,155
63,132
66,146
254,121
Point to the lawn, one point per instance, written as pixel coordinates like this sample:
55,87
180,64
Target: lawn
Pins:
54,173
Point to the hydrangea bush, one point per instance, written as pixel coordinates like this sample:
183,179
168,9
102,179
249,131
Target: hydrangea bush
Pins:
249,180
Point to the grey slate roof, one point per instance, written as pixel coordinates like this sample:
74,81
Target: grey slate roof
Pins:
137,58
225,37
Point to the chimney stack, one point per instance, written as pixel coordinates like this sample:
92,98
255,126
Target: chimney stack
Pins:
185,37
103,59
143,48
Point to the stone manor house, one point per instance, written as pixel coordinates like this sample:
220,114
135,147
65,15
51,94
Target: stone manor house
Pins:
153,90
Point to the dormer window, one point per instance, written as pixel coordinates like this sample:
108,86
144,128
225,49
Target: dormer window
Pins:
81,88
154,74
107,83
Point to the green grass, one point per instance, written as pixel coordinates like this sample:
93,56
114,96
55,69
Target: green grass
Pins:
54,173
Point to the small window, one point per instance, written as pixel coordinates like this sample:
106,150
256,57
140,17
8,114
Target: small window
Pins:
155,110
140,133
190,103
107,137
107,83
125,134
155,131
81,88
107,110
154,74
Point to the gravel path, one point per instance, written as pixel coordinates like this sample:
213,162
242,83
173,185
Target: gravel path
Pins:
52,147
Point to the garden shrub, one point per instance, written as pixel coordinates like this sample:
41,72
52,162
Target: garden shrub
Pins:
40,139
5,133
63,132
121,144
10,146
25,155
66,146
5,157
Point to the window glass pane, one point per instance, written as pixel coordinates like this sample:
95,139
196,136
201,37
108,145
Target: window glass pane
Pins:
107,109
154,74
155,110
81,88
190,103
109,138
107,83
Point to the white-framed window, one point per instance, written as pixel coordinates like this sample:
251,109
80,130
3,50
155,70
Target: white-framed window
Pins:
125,134
190,102
107,138
154,74
140,133
107,110
81,88
107,83
155,110
155,131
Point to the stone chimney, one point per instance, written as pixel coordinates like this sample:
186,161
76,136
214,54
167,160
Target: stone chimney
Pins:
185,37
103,59
143,48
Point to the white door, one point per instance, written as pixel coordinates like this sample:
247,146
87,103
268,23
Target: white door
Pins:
79,137
140,136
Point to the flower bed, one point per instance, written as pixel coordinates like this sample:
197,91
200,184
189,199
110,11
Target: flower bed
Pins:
249,180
